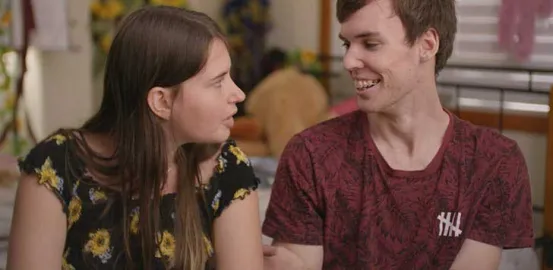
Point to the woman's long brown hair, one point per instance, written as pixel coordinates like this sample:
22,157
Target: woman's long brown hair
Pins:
155,46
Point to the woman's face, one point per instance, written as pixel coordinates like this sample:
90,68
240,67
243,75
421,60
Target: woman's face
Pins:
202,110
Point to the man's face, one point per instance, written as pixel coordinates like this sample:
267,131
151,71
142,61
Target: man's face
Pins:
383,66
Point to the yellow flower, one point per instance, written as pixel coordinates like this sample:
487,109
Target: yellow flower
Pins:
307,57
241,193
75,209
64,264
105,42
234,19
235,41
257,11
99,244
9,101
208,246
134,221
18,124
48,176
75,187
240,156
166,246
6,18
216,200
96,195
107,9
59,138
173,3
221,164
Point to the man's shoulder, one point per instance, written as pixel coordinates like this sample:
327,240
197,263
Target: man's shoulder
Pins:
335,129
333,132
484,143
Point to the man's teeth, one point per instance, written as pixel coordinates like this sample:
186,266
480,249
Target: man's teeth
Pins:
364,84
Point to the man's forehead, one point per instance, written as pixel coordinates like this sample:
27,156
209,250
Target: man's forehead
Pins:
374,8
369,20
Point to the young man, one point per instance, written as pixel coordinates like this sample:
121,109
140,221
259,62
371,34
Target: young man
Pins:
401,183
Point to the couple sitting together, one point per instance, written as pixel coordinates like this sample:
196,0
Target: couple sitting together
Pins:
151,180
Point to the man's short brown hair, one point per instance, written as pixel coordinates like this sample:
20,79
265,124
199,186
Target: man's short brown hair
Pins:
417,17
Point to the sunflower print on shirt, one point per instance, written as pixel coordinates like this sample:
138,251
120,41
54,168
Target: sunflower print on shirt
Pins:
239,155
99,244
48,176
94,238
166,247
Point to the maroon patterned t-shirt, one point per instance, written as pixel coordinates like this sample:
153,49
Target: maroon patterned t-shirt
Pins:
334,189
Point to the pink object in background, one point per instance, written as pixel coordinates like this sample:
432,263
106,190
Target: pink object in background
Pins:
546,8
517,25
528,11
344,107
507,23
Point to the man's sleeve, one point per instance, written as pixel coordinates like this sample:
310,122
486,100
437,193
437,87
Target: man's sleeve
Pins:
504,218
293,211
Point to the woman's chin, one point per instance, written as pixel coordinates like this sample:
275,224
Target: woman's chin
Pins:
220,136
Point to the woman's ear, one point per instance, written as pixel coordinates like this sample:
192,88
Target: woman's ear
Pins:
160,101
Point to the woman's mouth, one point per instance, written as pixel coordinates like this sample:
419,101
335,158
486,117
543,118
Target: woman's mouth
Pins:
229,122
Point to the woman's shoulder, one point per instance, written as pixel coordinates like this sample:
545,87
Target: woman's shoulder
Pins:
50,161
51,150
231,155
235,178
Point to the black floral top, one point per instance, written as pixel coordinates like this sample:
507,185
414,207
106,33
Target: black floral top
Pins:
94,238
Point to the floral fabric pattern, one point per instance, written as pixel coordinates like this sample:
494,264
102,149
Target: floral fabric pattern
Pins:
94,235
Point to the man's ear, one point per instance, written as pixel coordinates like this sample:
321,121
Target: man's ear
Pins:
160,100
429,43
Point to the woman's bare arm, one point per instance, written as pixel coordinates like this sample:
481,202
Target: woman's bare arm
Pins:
38,228
237,236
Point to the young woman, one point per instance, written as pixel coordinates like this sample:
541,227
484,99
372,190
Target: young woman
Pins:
150,181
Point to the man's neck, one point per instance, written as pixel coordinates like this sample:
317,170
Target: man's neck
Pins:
413,129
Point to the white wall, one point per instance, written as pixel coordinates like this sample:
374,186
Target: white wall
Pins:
58,85
296,24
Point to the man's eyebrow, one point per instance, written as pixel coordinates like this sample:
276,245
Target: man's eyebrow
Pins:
361,35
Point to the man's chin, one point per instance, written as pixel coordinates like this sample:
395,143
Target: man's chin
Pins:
368,106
